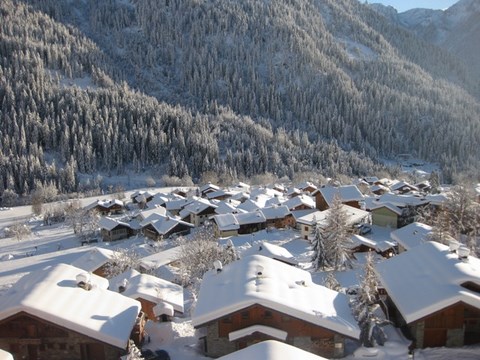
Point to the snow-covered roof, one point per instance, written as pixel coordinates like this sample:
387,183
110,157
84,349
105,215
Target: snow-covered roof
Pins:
271,350
297,214
279,286
402,184
401,200
177,205
427,279
272,251
373,205
249,205
164,224
255,217
208,186
411,235
150,288
354,216
275,212
226,222
437,199
300,200
52,294
160,210
161,258
93,259
358,240
109,224
227,207
197,206
106,203
345,193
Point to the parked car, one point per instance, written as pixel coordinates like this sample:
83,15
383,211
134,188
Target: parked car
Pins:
148,354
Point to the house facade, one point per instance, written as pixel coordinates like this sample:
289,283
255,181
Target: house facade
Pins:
433,295
259,298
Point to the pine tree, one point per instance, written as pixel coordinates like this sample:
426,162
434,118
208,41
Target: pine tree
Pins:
319,257
337,237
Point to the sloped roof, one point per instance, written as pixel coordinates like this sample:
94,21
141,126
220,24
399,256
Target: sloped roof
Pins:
282,287
254,217
300,200
275,212
272,251
412,235
345,193
93,259
271,350
150,288
164,224
427,279
354,216
52,294
197,206
401,200
106,203
226,222
161,258
109,224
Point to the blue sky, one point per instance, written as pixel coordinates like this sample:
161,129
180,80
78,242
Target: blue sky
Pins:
404,5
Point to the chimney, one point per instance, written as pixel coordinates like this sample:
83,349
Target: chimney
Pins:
217,264
83,281
453,245
123,286
463,253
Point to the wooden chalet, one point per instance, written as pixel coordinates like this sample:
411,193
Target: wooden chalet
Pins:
433,294
349,195
163,227
56,313
113,229
107,207
95,261
260,302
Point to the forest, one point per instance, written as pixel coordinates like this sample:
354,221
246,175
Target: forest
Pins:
237,88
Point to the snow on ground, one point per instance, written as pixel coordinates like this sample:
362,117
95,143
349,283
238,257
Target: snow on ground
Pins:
49,245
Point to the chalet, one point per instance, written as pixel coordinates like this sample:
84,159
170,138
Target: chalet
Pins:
433,293
225,225
95,261
386,215
227,207
251,222
271,350
258,298
161,258
207,188
151,292
402,187
278,217
114,229
62,310
271,251
300,202
163,227
379,189
219,195
308,222
198,211
175,206
307,187
250,205
361,244
410,236
106,207
297,214
348,195
141,197
145,214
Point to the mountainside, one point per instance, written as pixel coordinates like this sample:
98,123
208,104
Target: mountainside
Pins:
234,87
456,29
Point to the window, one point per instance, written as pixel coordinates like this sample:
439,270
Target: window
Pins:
245,315
268,314
227,320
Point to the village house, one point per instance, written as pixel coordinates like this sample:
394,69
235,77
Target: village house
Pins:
278,217
410,236
402,187
161,227
348,195
251,222
115,229
225,225
95,261
207,188
106,207
433,294
62,310
141,197
271,350
160,299
198,211
161,258
258,298
386,215
271,251
300,202
308,222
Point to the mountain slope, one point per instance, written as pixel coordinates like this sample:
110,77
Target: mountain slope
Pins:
297,77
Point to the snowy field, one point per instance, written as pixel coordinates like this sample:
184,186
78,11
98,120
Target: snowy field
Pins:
48,245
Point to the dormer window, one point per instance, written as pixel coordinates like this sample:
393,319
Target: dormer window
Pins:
470,285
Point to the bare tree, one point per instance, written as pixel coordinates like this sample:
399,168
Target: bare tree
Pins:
121,261
19,231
